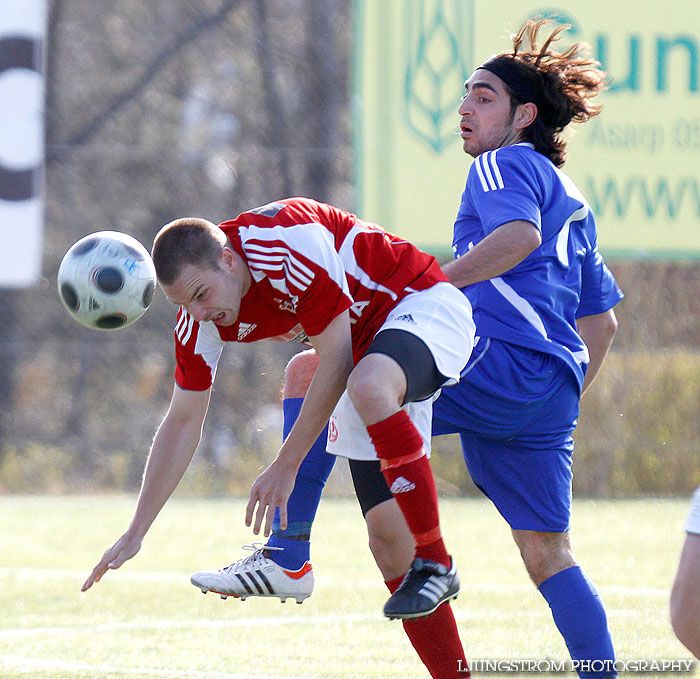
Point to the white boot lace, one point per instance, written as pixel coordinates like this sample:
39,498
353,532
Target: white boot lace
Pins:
257,558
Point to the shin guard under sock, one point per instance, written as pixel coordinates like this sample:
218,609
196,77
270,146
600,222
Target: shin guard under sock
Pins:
407,471
580,617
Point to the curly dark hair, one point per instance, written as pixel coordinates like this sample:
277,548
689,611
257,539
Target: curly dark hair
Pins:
567,81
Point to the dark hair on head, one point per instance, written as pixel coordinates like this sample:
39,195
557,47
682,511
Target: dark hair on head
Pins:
565,81
189,240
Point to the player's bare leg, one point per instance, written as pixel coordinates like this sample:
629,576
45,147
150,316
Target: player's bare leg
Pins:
299,373
685,596
544,554
390,541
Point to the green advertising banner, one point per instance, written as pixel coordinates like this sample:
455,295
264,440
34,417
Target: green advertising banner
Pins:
638,163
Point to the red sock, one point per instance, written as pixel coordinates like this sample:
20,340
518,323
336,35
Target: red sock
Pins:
436,641
406,469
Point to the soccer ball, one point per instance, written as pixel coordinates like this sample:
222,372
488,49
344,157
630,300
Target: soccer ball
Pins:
107,280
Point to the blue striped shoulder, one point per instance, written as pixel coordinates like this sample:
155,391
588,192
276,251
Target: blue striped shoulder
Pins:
506,166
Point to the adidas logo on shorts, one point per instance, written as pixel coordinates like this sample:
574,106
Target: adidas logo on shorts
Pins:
401,485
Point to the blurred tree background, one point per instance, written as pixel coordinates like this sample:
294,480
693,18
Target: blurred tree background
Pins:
161,110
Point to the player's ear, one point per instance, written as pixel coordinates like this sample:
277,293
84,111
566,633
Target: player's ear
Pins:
525,115
229,260
226,257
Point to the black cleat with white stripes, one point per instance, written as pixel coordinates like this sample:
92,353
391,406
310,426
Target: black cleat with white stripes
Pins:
426,585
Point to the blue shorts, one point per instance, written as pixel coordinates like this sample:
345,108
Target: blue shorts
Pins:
515,411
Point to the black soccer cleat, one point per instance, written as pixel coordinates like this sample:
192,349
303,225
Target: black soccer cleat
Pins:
426,585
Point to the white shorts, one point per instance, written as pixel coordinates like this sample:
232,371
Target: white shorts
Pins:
692,523
440,316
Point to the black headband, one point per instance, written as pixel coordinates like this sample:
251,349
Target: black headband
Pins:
513,74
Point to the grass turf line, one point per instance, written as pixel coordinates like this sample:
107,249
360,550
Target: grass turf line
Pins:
145,620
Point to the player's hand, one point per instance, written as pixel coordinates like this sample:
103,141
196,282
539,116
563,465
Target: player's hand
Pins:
270,490
122,550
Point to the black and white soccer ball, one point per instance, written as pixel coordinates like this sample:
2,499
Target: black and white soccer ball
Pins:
107,280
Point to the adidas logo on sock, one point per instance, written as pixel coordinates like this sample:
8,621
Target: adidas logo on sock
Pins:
401,485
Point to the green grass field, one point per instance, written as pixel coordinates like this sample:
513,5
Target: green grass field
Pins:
146,621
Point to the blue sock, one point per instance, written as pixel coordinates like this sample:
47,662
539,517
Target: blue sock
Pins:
303,502
580,617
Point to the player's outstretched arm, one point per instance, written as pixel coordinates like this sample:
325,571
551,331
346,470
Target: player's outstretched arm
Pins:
274,486
122,550
173,447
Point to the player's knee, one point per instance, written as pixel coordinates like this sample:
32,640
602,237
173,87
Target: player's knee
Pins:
374,394
361,388
544,554
298,374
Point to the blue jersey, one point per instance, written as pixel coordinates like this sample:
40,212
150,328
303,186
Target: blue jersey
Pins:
537,302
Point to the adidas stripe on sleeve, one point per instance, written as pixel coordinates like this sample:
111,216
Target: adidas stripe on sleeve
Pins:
300,261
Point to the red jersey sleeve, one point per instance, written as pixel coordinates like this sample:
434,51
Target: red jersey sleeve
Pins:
198,348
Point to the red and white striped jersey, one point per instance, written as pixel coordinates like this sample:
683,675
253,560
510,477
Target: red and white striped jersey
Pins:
309,262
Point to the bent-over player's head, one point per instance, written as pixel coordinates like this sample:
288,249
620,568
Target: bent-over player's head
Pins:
189,240
560,85
199,271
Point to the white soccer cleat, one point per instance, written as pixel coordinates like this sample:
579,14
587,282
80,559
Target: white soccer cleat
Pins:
257,575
